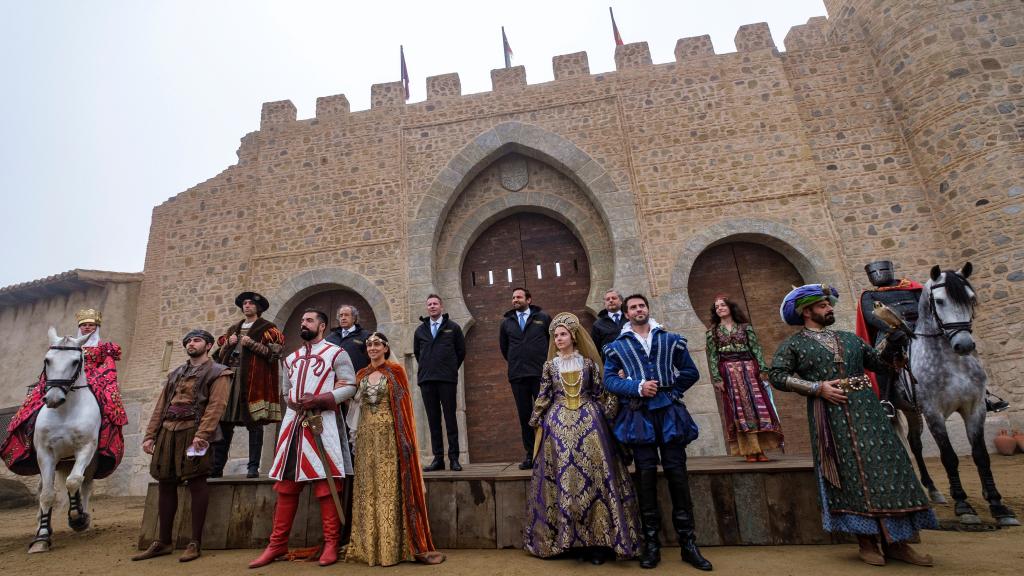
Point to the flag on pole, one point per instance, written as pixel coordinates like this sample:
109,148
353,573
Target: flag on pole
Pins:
615,29
508,49
405,72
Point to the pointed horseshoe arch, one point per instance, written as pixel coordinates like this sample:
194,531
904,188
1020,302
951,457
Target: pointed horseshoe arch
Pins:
614,207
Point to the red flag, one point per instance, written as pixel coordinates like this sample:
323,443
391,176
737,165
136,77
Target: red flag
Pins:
615,29
405,72
508,49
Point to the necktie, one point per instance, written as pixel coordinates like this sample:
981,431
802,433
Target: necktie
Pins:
522,321
433,329
615,317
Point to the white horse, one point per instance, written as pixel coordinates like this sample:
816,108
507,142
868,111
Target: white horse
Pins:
66,436
950,379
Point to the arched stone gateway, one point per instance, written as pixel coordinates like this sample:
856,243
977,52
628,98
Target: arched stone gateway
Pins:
752,275
468,197
756,262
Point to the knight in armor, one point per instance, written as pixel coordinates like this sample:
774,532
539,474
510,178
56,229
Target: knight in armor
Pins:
313,445
250,348
901,295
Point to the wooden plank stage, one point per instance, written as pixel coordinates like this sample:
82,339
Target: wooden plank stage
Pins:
735,503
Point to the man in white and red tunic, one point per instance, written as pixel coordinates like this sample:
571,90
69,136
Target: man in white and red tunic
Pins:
320,376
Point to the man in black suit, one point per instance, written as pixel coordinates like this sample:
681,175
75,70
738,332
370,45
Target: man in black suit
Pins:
440,348
350,336
524,345
609,322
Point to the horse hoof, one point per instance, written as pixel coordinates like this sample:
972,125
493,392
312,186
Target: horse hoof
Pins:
79,523
40,546
1008,521
937,497
970,519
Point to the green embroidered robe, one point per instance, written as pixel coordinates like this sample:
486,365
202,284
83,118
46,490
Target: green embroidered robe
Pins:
876,476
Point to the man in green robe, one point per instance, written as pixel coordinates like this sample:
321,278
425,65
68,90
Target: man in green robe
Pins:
866,483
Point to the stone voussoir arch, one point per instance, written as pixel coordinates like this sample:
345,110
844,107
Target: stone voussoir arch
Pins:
809,261
613,206
294,290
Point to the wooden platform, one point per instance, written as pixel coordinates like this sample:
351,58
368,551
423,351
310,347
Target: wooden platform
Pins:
483,506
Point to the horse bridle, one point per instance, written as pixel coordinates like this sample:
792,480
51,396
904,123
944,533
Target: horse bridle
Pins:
949,329
65,385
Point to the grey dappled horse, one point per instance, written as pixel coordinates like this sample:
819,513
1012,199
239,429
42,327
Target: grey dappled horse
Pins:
950,379
67,429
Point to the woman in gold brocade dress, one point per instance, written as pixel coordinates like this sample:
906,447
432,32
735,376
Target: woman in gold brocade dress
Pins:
389,511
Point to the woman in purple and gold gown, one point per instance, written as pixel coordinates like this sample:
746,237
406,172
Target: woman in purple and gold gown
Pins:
581,499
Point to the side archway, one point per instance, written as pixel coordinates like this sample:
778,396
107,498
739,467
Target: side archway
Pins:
295,290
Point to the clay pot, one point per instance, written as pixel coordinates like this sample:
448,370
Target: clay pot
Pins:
1005,444
1019,437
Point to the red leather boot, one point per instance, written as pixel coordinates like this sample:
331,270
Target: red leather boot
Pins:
332,531
284,514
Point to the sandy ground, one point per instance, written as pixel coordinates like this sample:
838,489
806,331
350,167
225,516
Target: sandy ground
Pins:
105,549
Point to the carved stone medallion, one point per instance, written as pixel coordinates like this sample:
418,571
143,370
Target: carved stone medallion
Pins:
515,174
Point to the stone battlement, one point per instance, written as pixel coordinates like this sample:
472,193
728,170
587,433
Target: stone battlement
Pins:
567,67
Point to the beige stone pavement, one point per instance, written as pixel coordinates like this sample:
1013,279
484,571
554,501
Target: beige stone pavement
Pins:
106,548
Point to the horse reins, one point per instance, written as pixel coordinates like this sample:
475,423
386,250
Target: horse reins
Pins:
65,384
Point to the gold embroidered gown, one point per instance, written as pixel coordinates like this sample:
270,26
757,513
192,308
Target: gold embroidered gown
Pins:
379,535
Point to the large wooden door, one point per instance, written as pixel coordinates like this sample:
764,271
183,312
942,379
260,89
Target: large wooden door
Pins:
542,255
328,302
755,277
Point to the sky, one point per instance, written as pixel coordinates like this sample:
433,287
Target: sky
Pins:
108,108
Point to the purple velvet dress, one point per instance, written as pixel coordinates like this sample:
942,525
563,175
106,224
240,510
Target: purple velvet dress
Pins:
580,494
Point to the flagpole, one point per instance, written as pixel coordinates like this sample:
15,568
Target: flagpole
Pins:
506,49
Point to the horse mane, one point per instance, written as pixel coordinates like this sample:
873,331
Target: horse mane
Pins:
957,290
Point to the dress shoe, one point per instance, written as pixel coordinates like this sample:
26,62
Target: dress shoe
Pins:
526,464
437,464
902,551
157,548
192,552
455,466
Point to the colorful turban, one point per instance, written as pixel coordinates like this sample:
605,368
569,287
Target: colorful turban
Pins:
799,298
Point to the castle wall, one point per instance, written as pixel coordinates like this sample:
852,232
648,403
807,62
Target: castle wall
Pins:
824,151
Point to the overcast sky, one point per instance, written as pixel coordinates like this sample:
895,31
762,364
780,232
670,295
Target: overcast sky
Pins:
108,107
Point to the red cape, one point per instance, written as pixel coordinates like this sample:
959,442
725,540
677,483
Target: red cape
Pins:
865,332
17,450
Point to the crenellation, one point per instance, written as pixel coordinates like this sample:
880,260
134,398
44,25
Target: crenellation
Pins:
632,55
329,106
248,149
751,37
813,34
505,79
572,65
280,112
443,86
694,47
388,94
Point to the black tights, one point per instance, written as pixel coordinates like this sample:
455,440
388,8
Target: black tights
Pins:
199,491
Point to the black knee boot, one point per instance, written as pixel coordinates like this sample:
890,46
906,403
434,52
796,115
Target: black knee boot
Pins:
650,519
682,518
255,451
220,450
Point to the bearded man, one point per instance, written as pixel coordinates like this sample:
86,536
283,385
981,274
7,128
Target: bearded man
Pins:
313,446
866,482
